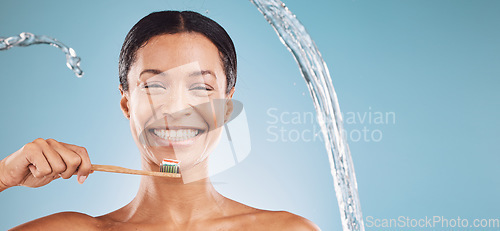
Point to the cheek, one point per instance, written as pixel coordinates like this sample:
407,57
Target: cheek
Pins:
213,139
212,113
140,111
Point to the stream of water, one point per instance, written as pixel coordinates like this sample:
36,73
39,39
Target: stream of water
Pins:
315,72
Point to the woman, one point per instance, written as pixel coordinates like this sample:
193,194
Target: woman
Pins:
177,77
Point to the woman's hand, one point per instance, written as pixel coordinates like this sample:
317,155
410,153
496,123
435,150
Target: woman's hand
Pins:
42,161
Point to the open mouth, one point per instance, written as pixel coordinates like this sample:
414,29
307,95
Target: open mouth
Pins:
175,136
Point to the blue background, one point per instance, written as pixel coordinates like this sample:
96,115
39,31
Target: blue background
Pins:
433,64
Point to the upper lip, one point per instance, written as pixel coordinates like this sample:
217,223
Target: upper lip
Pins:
164,125
175,127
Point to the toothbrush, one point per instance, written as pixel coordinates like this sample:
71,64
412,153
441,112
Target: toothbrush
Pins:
168,168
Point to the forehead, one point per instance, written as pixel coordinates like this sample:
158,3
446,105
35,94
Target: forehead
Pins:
192,70
165,52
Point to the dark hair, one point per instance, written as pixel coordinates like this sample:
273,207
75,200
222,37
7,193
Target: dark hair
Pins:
172,22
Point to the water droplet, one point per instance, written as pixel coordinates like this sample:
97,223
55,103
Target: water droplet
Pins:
27,39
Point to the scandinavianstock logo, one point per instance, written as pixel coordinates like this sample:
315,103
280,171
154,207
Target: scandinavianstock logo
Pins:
294,126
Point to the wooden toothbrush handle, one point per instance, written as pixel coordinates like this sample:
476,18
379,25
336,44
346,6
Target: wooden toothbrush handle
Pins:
116,169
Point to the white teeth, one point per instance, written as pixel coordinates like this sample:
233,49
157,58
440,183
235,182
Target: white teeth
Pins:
176,135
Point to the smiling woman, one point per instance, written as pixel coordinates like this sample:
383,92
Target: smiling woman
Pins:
177,78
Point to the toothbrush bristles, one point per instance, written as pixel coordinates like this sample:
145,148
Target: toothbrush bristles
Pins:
170,166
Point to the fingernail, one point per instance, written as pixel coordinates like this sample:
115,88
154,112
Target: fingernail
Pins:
81,179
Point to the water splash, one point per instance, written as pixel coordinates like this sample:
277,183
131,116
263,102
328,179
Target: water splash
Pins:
315,72
27,39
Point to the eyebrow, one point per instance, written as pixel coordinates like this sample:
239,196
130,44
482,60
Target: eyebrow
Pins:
203,72
152,71
193,74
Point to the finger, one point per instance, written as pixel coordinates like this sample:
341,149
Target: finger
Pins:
32,169
70,158
85,167
38,165
55,160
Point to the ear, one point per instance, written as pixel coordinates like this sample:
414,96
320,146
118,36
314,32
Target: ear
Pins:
124,105
229,105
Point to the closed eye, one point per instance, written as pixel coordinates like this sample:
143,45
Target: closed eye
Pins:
202,88
152,85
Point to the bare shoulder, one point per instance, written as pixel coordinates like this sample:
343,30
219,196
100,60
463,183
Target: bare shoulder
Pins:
60,221
259,219
282,220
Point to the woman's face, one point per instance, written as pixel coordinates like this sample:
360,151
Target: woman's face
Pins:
177,100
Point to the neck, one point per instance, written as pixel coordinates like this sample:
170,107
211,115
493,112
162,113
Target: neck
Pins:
161,199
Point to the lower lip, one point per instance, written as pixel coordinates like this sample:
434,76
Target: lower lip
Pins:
171,143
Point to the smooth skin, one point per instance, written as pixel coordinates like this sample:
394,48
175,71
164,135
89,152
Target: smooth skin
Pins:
192,206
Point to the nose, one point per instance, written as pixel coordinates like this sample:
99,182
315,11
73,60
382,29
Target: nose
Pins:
175,105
